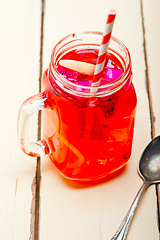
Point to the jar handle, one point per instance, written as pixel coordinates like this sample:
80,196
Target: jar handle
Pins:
28,107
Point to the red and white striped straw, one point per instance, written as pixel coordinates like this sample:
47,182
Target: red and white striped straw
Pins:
103,50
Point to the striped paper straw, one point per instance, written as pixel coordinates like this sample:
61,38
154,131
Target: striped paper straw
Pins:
103,50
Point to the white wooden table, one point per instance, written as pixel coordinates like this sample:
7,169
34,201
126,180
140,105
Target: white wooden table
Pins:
36,203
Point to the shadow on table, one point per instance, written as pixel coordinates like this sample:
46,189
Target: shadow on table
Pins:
49,167
85,184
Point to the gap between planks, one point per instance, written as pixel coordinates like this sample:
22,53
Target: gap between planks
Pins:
152,117
36,184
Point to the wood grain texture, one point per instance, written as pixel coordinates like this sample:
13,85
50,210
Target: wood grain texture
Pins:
152,36
19,61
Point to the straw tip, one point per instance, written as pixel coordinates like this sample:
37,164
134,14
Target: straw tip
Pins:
112,11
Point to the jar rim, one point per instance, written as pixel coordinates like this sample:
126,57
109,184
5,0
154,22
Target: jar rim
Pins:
101,90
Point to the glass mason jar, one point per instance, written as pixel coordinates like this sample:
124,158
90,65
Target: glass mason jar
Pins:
87,131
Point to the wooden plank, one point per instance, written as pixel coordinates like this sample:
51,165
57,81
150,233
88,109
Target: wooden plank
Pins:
19,48
152,35
96,212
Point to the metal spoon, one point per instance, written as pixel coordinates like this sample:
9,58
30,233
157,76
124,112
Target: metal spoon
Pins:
149,170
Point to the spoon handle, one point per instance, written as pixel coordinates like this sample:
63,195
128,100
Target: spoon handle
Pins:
122,231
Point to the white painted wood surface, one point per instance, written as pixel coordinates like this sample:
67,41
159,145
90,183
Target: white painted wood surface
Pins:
67,212
19,64
152,32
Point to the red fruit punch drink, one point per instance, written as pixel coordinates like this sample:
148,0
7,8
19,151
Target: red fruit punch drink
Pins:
89,133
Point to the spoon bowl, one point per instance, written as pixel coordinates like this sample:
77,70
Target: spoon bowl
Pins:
149,165
149,170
